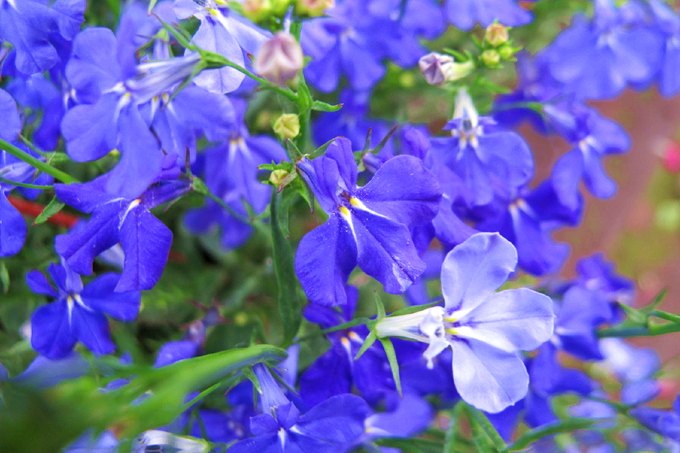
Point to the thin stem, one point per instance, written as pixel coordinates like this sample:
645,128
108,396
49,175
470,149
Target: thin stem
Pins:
37,163
23,184
258,225
641,331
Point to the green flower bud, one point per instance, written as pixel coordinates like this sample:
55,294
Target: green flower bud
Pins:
257,10
287,126
490,58
496,34
277,177
506,52
312,8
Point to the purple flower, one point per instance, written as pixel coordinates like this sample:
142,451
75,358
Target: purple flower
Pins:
484,329
666,423
145,240
225,33
36,29
668,22
465,14
597,58
490,162
78,314
368,225
326,428
595,137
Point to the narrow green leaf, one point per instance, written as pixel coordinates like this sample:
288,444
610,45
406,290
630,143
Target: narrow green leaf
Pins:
324,107
4,277
368,342
24,184
415,445
248,372
392,358
453,430
384,140
635,316
54,206
286,200
665,315
321,149
379,305
565,426
152,3
290,305
655,303
488,428
292,150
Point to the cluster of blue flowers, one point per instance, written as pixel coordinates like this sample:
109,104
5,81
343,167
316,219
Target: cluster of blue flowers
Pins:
161,107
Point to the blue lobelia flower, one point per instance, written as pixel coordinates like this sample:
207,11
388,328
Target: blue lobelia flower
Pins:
485,330
527,221
145,240
489,161
465,14
78,312
664,422
231,173
368,225
597,58
634,368
326,428
36,29
118,99
547,379
595,137
358,35
225,33
336,371
668,22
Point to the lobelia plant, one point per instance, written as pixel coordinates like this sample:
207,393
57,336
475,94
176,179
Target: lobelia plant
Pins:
314,226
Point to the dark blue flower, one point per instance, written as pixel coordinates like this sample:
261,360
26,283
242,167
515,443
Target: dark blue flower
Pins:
78,314
368,225
326,428
145,240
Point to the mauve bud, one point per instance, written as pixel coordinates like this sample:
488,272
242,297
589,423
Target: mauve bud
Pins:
496,34
312,8
280,58
438,68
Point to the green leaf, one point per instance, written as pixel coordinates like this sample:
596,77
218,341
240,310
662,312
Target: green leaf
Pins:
413,445
384,140
321,149
633,315
368,342
152,3
565,426
324,107
655,303
54,206
290,305
4,277
392,358
292,150
479,417
453,430
380,308
287,198
248,372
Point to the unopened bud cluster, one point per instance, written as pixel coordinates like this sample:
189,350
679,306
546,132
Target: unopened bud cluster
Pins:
312,8
260,10
497,46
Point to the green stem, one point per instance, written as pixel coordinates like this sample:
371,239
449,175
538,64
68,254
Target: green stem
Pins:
667,316
212,58
23,184
37,163
353,323
641,331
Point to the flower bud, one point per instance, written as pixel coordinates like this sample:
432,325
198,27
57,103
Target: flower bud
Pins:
490,58
287,126
277,177
438,68
280,58
496,34
257,10
506,52
312,8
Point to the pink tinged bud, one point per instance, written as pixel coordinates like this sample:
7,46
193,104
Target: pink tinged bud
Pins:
496,34
671,158
280,58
